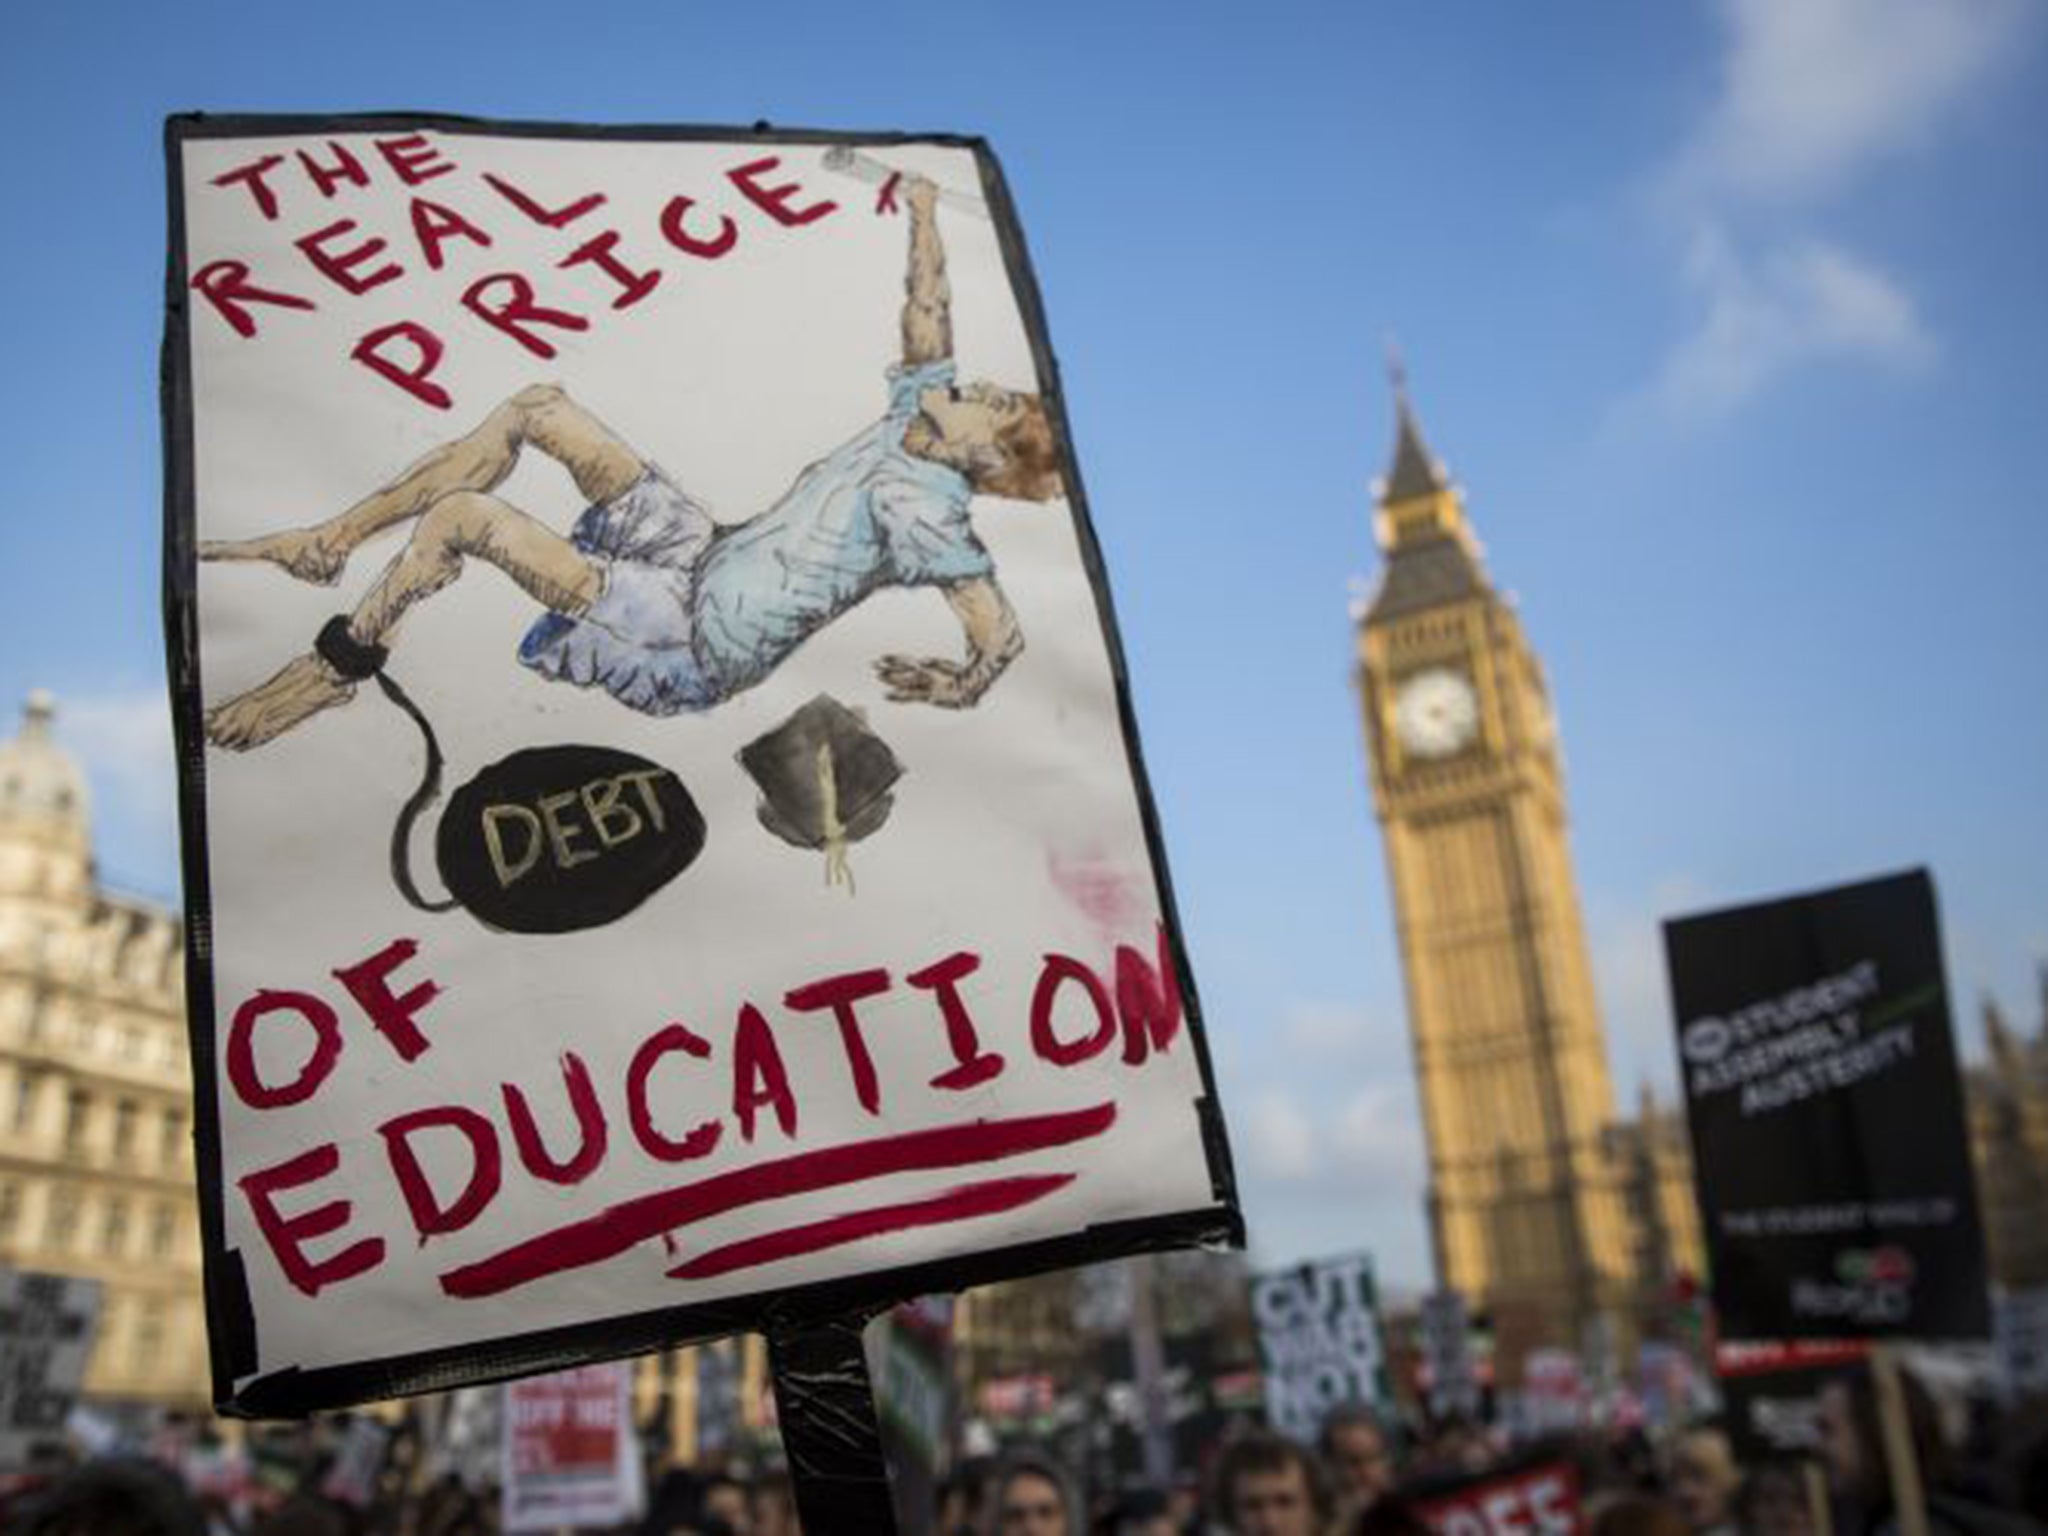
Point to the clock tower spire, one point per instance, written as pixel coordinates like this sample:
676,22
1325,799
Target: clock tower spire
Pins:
1415,499
1525,1215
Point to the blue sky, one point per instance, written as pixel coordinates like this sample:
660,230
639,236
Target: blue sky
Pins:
1728,316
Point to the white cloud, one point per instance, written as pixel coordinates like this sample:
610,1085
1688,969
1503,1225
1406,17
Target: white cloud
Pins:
1280,1144
1374,1137
1326,1030
1812,95
124,740
1759,318
1625,938
1336,1175
1379,1137
1814,92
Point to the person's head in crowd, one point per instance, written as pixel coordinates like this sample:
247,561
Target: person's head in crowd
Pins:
1358,1451
1633,1457
302,1516
2030,1477
963,1498
1033,1498
774,1506
1775,1502
1145,1512
51,1458
276,1468
1638,1514
112,1498
1459,1446
1704,1479
1267,1485
723,1507
677,1504
1390,1515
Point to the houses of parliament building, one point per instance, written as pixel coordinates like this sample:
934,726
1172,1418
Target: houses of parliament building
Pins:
1562,1217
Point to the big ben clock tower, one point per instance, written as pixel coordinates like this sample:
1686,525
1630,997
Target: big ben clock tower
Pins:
1525,1216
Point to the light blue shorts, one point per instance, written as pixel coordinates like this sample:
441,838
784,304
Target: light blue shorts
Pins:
638,639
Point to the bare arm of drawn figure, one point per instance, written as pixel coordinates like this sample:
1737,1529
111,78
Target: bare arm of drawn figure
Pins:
541,414
993,642
927,305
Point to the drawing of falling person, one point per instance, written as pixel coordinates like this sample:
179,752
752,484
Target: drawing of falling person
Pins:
649,598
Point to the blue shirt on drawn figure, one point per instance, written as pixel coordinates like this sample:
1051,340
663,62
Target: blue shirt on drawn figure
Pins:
693,613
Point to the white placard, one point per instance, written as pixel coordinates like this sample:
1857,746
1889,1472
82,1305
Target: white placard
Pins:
1319,1335
2021,1322
47,1326
571,1456
787,910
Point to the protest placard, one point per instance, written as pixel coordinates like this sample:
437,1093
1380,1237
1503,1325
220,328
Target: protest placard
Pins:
910,1353
1319,1341
2021,1335
358,1463
571,1457
1770,1392
718,1392
1555,1396
665,830
1810,1030
47,1327
1447,1351
1667,1384
1540,1499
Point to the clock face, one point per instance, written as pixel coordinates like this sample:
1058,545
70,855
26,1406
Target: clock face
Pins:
1436,713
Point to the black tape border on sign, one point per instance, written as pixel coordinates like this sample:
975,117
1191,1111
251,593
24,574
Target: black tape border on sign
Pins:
293,1392
230,1323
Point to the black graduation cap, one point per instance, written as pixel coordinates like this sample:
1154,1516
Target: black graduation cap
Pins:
825,779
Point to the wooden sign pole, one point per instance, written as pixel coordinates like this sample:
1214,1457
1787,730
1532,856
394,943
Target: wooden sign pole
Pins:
1819,1508
825,1407
1909,1499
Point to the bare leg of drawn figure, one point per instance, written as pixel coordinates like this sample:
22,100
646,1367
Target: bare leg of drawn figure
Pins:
446,493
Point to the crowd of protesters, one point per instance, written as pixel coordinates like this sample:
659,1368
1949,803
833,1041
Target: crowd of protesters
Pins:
1363,1477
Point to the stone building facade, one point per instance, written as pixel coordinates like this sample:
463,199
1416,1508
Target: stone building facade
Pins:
2007,1099
95,1084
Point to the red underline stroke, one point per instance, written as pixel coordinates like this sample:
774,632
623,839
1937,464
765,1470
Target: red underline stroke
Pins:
617,1228
989,1197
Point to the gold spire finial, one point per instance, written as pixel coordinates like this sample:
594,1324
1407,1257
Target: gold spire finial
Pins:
1413,471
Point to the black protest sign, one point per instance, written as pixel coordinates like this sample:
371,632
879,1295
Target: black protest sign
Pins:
666,843
1447,1352
1829,1143
1770,1394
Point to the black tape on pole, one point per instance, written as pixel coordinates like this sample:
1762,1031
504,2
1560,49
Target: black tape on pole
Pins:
825,1408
